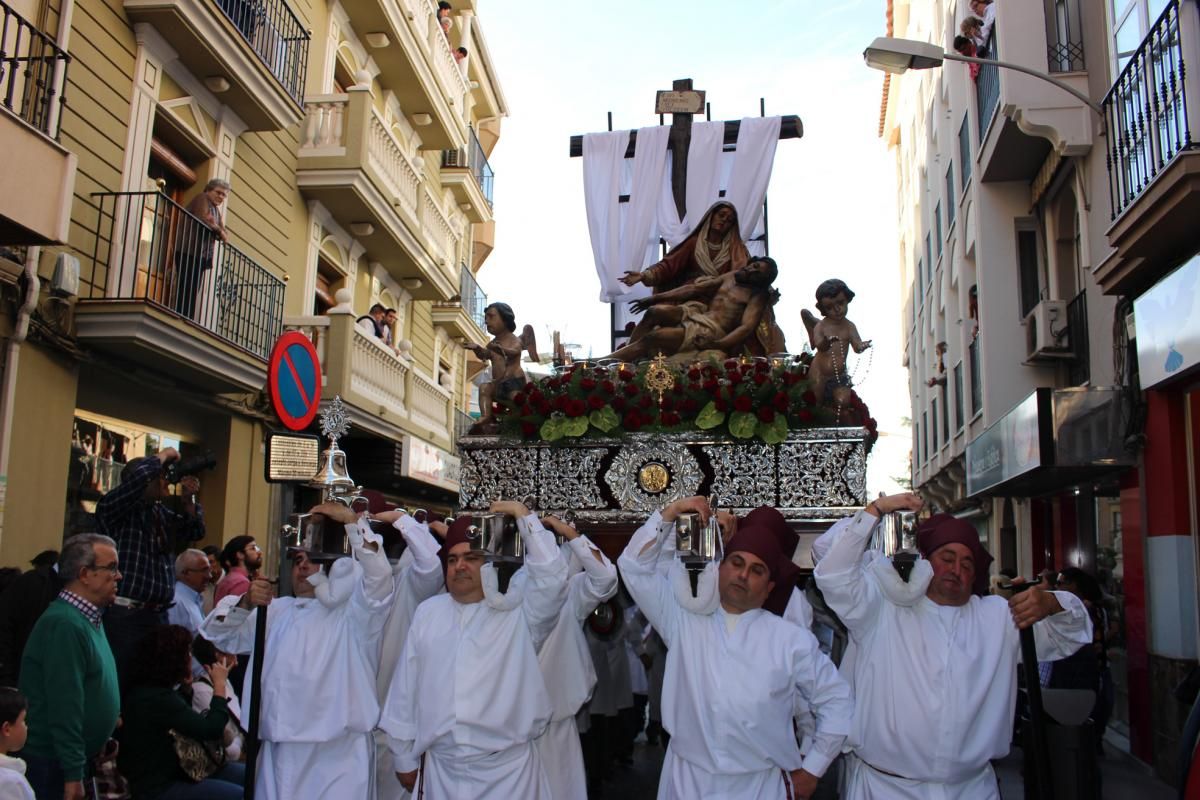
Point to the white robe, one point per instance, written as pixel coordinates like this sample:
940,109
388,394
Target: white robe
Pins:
935,685
730,687
318,681
468,693
567,668
417,577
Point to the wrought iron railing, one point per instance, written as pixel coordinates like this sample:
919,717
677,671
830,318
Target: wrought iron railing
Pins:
976,378
987,88
473,158
151,249
276,35
1146,112
32,69
473,299
1079,370
1065,34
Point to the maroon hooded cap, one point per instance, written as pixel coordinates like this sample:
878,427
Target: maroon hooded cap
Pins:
456,535
772,520
760,541
943,529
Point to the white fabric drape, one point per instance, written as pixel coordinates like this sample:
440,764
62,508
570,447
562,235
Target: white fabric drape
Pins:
703,183
752,163
603,162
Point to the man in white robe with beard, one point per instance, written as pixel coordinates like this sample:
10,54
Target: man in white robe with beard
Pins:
321,655
468,699
566,663
935,679
733,674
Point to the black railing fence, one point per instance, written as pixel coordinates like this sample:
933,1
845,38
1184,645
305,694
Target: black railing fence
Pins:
473,299
473,158
276,35
987,87
1079,370
152,249
1065,33
1146,112
31,67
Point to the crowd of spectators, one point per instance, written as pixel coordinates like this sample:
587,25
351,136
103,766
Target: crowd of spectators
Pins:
975,33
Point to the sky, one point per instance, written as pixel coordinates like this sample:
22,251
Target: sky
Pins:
831,201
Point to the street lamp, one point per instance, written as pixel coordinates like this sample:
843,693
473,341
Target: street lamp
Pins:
897,56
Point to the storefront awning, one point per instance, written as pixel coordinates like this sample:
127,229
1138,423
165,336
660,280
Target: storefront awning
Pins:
1051,440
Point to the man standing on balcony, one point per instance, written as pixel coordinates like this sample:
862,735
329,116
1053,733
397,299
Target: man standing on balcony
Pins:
147,534
372,323
195,241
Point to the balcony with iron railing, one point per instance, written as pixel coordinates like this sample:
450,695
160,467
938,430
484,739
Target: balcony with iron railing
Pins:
1151,114
355,164
987,88
385,392
254,51
463,317
162,288
1079,368
33,72
467,173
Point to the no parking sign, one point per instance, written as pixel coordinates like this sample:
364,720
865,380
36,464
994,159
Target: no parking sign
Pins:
294,380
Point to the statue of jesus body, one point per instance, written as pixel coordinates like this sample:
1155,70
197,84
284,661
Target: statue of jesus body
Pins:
712,313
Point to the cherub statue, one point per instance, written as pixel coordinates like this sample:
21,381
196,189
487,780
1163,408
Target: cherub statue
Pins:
503,353
831,337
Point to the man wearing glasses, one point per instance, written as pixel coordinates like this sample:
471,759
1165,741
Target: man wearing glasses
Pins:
147,534
68,672
191,576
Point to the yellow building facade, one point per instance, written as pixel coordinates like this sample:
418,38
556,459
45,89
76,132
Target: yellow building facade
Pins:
355,143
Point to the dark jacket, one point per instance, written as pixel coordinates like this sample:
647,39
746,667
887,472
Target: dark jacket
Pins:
147,758
21,604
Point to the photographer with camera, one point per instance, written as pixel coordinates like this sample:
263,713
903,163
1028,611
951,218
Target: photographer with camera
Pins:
147,534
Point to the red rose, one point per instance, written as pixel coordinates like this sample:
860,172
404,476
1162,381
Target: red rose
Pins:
632,421
625,374
587,384
731,363
872,425
528,430
646,401
743,403
670,418
693,387
536,397
720,405
667,404
575,408
766,414
790,379
553,383
809,398
760,378
560,402
780,402
618,403
498,409
804,415
710,386
693,374
631,390
518,399
526,411
735,378
543,407
595,403
689,406
607,387
762,366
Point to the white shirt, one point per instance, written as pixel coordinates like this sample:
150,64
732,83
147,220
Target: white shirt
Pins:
468,683
188,609
321,652
935,686
13,784
728,694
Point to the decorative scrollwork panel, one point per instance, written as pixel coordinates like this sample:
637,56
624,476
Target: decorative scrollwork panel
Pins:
743,475
821,474
635,476
567,478
509,473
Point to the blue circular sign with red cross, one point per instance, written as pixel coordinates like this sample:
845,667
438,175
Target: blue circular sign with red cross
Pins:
294,380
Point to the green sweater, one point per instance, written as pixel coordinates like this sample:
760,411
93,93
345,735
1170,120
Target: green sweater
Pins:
69,676
147,758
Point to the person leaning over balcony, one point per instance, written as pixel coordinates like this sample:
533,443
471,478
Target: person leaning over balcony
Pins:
444,10
195,241
460,58
972,29
372,323
986,9
966,46
146,533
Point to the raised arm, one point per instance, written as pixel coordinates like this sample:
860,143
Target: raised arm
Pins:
374,591
546,572
119,503
856,341
840,575
600,581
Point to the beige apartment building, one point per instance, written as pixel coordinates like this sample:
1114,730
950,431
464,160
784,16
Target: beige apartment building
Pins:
356,144
1029,223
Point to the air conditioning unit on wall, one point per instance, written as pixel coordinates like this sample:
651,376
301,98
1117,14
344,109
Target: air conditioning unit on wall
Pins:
1046,331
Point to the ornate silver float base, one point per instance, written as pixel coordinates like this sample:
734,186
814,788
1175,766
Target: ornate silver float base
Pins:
817,475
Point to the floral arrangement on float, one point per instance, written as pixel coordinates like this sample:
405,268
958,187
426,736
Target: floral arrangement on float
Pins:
747,398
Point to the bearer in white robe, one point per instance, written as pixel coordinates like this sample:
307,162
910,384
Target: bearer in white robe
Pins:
318,681
467,699
935,681
417,576
566,663
732,674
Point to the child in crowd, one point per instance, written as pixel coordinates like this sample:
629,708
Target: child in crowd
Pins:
13,785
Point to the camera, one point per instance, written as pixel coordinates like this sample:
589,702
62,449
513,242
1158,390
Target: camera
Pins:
192,465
